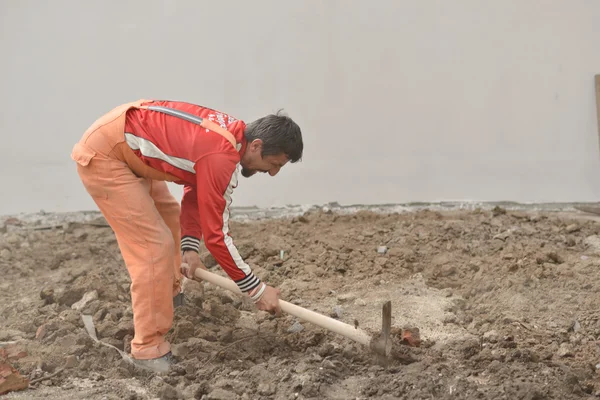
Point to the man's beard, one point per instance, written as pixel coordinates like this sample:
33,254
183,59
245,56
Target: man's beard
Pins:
247,173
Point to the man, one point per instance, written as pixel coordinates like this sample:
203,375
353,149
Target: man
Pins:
124,160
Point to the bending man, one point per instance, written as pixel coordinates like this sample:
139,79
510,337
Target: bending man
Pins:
124,161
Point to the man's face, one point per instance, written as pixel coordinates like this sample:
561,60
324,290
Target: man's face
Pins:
254,162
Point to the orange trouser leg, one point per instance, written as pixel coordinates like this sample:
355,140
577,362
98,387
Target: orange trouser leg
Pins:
170,210
147,246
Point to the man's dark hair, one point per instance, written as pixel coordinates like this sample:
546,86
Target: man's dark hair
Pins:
279,134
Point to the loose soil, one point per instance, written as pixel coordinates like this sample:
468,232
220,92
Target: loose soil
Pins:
506,304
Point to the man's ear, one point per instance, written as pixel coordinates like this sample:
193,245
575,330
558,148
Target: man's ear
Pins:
256,145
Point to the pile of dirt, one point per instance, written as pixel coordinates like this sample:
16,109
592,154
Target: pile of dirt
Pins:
505,303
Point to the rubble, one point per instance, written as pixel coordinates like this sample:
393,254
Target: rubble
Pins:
464,317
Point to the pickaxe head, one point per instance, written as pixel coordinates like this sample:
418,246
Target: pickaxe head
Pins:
382,343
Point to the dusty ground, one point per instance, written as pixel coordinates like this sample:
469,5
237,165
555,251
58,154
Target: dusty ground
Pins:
507,305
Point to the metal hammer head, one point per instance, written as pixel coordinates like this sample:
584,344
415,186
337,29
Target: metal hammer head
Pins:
382,344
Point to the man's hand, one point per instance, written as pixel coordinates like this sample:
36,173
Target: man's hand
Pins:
270,301
190,262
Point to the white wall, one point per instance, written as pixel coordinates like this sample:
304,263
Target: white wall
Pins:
398,100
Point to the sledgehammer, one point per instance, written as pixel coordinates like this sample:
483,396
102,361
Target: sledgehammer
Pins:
380,344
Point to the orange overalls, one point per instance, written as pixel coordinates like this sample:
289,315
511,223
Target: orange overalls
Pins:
135,200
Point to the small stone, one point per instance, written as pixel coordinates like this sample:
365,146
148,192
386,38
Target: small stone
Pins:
184,329
382,249
494,366
41,332
47,294
381,261
273,246
496,211
593,243
269,326
311,268
5,254
12,238
71,362
246,249
340,268
395,252
347,297
491,336
565,350
448,270
296,327
97,377
337,312
572,228
328,364
25,245
195,391
512,267
226,335
88,297
503,236
326,350
221,394
80,234
208,260
360,302
266,389
124,328
168,392
348,351
247,321
555,258
180,349
576,326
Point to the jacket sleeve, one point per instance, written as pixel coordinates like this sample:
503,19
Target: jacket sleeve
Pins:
216,178
191,231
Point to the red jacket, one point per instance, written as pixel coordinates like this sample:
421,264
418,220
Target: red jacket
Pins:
168,137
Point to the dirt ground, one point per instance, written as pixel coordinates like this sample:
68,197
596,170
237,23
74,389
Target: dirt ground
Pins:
506,303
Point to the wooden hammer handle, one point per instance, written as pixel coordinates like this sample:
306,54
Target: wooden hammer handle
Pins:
339,327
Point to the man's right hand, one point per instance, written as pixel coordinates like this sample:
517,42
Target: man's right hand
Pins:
269,301
190,262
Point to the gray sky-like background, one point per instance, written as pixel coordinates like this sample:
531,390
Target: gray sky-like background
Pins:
398,100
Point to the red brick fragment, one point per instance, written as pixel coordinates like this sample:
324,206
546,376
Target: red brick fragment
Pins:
13,221
411,337
11,380
41,332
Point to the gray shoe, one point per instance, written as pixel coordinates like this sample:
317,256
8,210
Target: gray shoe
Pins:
179,300
159,365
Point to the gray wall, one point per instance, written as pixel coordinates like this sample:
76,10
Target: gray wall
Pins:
399,100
